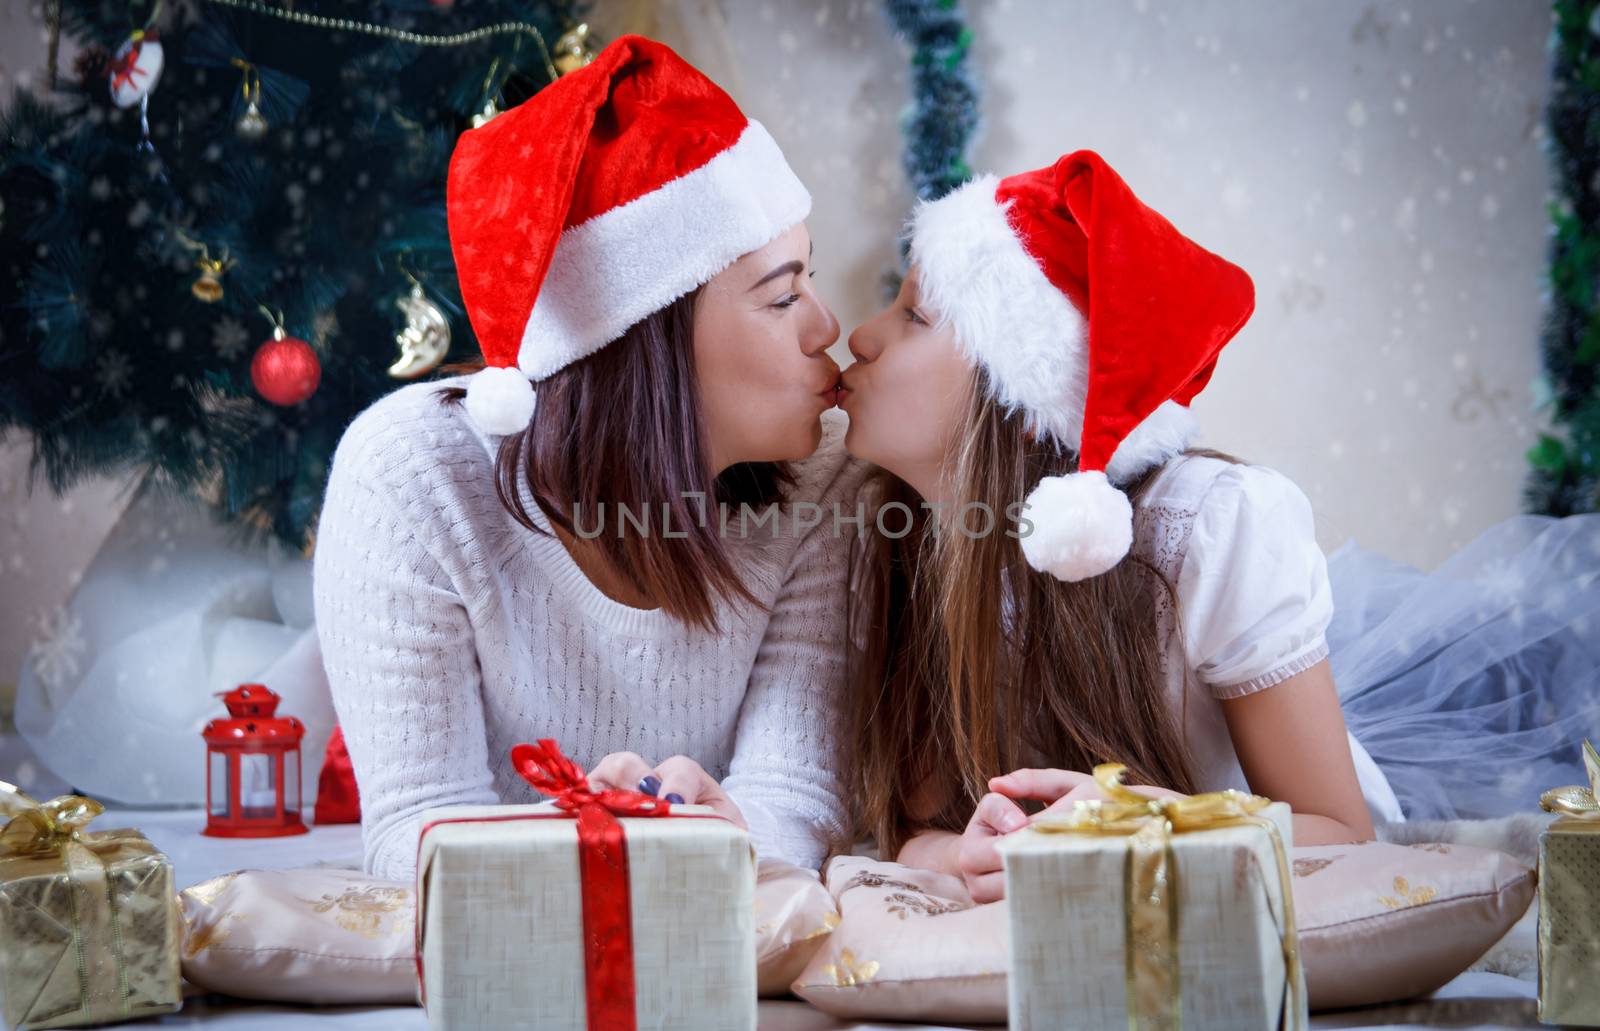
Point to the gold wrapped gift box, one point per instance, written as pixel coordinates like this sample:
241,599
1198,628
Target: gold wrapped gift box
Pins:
1569,903
89,923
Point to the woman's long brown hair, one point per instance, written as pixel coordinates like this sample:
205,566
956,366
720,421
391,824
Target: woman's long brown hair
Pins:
954,683
622,428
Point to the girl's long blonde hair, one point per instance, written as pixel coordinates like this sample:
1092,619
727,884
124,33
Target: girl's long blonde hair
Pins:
953,683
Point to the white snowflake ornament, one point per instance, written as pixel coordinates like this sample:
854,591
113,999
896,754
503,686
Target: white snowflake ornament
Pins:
57,652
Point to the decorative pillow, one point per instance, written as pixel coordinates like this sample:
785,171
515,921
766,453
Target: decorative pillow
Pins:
328,935
321,935
910,945
1378,922
794,915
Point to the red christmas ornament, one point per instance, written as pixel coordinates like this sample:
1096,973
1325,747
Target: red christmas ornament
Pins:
285,369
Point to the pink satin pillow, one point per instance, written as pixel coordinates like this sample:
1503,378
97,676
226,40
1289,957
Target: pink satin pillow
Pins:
323,935
1380,922
1377,921
328,935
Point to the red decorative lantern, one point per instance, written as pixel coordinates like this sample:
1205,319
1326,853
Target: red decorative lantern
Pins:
253,767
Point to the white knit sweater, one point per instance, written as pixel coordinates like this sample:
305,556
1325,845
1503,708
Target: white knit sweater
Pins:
450,633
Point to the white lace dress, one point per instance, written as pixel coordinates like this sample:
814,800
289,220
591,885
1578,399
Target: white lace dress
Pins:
1250,607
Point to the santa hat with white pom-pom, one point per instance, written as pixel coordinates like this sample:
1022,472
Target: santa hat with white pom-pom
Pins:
1093,317
607,195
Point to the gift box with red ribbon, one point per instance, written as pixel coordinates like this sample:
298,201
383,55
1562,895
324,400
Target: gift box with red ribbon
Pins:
610,909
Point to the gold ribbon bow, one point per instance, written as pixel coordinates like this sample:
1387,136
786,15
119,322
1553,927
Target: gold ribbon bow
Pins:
1149,882
36,836
42,828
1576,800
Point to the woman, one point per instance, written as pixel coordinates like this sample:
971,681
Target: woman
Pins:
499,562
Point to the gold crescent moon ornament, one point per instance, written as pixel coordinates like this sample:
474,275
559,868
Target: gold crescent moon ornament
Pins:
426,338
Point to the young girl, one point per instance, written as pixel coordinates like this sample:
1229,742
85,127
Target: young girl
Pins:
629,240
1162,607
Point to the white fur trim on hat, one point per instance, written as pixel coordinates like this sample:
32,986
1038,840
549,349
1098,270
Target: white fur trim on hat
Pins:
499,400
620,266
975,275
1165,432
1082,526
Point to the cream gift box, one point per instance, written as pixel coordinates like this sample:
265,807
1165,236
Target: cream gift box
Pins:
1208,911
504,900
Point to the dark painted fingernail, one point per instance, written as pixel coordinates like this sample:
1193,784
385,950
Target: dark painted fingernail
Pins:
675,798
650,785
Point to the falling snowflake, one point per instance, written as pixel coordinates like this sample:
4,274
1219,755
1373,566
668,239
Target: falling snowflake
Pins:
1502,581
114,372
1500,90
229,338
1350,158
1517,782
57,652
27,774
324,325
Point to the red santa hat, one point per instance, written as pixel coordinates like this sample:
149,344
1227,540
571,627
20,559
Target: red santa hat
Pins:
604,197
1091,315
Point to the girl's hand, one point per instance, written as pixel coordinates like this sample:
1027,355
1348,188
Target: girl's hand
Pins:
1062,788
976,855
680,780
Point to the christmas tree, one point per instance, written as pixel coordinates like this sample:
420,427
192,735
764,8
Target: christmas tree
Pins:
223,231
1566,462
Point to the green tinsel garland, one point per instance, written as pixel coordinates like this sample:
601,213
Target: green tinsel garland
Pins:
944,111
1566,462
943,117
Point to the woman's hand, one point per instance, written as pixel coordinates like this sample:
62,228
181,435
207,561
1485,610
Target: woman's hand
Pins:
680,780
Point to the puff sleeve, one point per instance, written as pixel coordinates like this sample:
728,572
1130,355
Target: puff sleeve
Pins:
1253,592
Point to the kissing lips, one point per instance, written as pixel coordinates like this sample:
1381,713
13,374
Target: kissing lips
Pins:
830,393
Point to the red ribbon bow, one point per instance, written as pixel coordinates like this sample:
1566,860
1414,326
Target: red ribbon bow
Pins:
552,773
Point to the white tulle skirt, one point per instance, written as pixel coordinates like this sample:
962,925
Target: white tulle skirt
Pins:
1474,686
